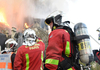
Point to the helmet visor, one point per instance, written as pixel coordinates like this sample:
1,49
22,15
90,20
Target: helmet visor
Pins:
29,36
48,20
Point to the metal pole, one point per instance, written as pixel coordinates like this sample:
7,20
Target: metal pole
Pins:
94,39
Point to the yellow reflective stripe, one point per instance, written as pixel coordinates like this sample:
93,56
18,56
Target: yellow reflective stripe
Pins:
41,59
70,69
42,55
52,61
41,67
67,49
27,61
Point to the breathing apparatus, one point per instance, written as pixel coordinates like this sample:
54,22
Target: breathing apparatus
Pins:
83,41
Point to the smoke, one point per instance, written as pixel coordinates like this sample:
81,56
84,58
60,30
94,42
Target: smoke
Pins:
15,11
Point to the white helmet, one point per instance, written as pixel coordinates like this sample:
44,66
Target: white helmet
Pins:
58,18
29,37
11,41
11,44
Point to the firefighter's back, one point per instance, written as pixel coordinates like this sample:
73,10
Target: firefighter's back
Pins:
31,57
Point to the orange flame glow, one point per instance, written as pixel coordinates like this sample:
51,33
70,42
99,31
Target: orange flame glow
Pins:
2,19
26,26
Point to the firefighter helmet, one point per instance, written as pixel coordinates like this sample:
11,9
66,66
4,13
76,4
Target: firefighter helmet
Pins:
58,18
11,45
29,37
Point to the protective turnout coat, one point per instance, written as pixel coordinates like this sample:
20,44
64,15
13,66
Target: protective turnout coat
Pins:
58,43
30,57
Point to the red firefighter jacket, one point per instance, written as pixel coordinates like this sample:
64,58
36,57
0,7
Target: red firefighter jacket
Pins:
29,57
58,43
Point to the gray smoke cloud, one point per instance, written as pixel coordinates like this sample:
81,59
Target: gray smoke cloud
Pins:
16,10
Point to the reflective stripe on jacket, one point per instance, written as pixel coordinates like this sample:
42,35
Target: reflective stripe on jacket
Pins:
5,61
72,68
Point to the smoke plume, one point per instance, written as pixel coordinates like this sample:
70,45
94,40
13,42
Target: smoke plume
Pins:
16,10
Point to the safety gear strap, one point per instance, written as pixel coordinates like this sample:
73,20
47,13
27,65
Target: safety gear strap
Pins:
52,61
81,37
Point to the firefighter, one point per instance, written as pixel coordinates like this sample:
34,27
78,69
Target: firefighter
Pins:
29,56
59,51
7,55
